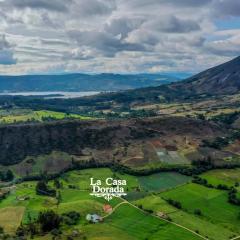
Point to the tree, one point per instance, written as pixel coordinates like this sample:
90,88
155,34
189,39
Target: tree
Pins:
198,212
6,176
57,183
49,220
58,197
9,175
43,189
71,218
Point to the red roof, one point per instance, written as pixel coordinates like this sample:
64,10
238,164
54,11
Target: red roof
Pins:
107,207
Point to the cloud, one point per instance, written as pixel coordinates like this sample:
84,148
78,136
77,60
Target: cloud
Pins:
173,24
116,35
227,8
176,3
93,7
53,5
6,54
228,44
104,42
188,3
123,26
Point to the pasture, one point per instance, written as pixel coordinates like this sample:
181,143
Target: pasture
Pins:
187,219
24,115
227,177
162,181
212,203
219,219
130,223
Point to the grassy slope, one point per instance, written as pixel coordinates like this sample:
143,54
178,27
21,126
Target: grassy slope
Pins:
142,226
213,204
219,221
204,227
224,176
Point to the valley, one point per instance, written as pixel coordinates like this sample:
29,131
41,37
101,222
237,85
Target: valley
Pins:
177,146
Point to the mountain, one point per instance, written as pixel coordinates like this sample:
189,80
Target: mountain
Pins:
222,79
219,80
82,82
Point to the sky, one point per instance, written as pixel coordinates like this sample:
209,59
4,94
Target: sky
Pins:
120,36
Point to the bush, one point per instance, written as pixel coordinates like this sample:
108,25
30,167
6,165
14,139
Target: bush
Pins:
198,212
43,189
71,218
174,203
49,220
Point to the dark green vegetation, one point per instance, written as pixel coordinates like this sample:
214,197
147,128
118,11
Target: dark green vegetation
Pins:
140,146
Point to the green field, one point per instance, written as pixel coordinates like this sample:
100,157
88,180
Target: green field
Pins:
212,203
130,223
162,181
227,177
219,220
23,115
189,220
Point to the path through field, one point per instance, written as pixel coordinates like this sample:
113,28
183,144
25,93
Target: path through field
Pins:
178,225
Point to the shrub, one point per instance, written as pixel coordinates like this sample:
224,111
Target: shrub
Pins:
49,220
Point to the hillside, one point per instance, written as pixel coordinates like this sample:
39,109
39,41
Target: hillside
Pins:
222,79
134,143
82,82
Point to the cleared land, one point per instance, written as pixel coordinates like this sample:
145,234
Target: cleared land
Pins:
24,115
10,218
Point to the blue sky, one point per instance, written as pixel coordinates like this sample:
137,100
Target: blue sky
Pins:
121,36
229,23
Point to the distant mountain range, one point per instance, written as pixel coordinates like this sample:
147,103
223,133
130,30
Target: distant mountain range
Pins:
82,82
219,80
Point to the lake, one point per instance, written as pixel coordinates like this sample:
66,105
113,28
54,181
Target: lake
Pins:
48,95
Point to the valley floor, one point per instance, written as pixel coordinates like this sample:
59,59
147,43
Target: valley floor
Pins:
146,213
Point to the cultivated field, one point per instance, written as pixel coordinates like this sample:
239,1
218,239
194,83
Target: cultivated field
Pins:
228,177
162,181
212,203
219,219
24,115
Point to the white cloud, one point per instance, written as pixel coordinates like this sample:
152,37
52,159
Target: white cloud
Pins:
6,52
115,35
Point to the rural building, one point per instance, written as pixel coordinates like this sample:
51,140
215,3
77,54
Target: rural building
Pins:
23,198
107,208
94,218
162,215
